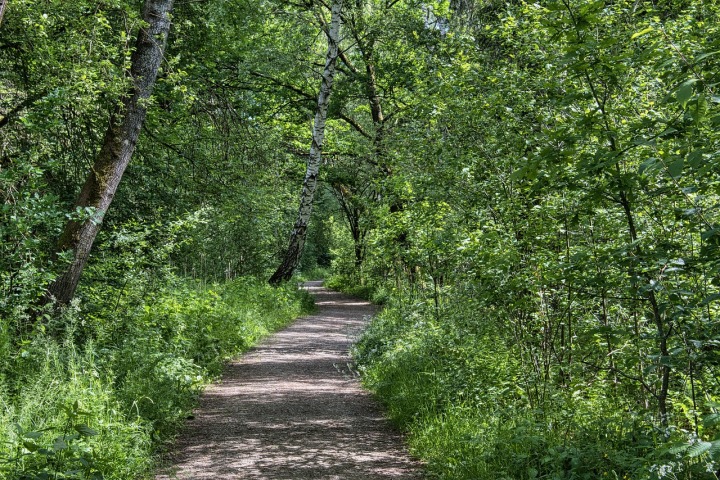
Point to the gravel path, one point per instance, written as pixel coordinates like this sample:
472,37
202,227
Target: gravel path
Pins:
292,409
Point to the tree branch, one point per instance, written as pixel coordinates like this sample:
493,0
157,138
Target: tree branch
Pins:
348,63
15,111
3,4
353,123
280,83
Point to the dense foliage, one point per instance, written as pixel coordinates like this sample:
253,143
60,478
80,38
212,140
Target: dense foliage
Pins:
531,187
554,282
175,285
111,384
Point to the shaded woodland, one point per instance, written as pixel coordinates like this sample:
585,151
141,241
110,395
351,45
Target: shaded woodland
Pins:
530,188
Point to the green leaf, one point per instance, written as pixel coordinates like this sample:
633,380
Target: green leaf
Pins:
641,33
710,235
678,448
715,446
85,430
702,57
644,141
710,298
711,419
59,444
649,165
31,446
668,131
684,93
695,158
697,449
676,167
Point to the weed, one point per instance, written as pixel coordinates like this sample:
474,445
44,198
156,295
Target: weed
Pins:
104,388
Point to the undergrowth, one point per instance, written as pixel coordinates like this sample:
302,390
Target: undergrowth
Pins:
317,273
99,392
367,290
460,389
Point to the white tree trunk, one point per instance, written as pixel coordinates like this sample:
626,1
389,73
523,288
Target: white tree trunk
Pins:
299,232
3,4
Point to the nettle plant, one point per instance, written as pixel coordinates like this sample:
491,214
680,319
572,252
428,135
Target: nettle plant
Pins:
64,452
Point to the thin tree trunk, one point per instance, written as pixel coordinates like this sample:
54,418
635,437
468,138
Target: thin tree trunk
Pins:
367,51
3,5
375,107
299,232
663,330
117,149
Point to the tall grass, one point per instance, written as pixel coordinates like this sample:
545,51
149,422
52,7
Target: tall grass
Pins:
99,394
460,390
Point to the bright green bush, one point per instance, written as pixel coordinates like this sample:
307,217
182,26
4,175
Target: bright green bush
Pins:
461,391
104,388
64,419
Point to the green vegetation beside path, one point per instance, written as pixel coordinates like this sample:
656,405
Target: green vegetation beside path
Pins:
530,187
101,396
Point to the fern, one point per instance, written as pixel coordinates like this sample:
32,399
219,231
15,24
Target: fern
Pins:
697,449
715,447
678,448
711,419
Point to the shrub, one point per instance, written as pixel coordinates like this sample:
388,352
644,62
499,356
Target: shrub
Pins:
97,391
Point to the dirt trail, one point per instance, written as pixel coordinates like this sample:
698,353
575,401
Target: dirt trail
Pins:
292,409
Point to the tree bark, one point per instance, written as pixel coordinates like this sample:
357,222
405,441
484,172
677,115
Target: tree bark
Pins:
353,214
117,149
297,237
3,5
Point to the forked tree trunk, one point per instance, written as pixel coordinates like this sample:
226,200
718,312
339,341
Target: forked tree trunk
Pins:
299,232
117,149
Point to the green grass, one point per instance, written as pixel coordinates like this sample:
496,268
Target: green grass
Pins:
374,292
459,390
317,273
101,396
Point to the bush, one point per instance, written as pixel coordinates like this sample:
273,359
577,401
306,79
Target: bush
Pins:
64,420
102,389
464,396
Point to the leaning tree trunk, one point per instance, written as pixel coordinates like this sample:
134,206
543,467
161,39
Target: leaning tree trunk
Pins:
117,149
3,5
299,232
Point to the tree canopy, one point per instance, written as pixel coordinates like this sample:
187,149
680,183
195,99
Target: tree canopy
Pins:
531,188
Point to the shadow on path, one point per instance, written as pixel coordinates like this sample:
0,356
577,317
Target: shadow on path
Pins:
292,409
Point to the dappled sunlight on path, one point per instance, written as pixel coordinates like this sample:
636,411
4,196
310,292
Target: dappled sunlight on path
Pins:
293,409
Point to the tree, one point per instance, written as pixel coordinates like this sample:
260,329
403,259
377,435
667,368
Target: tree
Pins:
3,5
299,232
118,145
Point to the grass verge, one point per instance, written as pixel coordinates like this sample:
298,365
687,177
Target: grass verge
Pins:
463,394
99,392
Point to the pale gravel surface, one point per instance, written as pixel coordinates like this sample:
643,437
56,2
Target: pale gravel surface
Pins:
293,409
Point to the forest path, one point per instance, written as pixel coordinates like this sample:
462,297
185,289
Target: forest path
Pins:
292,408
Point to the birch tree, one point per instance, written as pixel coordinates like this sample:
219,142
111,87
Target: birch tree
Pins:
118,146
3,5
299,232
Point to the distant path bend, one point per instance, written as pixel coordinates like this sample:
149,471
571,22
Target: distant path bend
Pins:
292,409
